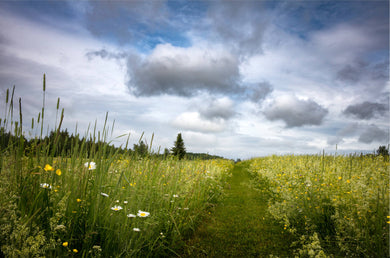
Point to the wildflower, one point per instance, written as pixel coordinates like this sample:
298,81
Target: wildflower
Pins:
65,244
136,229
48,168
175,196
104,194
131,215
116,208
142,214
75,250
78,200
125,202
58,172
45,185
90,165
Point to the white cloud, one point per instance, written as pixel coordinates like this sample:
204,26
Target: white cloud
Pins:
193,121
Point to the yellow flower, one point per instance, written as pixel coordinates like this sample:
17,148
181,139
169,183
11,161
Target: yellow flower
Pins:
65,244
48,168
75,250
78,200
58,172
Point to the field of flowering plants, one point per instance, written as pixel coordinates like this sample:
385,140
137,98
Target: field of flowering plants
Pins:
334,205
85,198
106,206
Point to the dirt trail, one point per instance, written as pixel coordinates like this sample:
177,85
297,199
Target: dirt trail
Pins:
240,225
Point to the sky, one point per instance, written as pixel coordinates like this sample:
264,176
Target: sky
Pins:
238,79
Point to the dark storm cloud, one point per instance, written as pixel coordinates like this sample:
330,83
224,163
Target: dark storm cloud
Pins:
183,71
366,110
295,112
373,134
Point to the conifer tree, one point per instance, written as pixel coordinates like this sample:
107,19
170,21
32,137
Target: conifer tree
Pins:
178,149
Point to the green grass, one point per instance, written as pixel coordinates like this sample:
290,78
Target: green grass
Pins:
52,205
240,225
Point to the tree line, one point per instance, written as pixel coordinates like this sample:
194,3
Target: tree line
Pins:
62,143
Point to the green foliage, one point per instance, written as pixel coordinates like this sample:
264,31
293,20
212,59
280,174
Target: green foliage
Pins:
178,149
141,149
382,150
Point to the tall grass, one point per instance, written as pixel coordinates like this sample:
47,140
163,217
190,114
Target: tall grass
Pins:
95,201
336,205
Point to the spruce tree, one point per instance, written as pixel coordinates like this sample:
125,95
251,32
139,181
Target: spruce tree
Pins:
178,149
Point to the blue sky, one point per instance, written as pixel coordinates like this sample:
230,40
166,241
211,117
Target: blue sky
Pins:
237,78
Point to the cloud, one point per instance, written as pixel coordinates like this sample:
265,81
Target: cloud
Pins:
259,92
125,21
351,73
295,112
373,133
105,54
366,110
222,108
193,121
239,26
183,71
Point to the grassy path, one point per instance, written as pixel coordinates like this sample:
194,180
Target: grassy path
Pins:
240,225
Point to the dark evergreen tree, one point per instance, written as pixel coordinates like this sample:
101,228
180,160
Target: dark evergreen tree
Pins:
382,150
141,149
178,149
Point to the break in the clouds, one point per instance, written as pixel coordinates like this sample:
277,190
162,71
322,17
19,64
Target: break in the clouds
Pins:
237,78
366,110
295,112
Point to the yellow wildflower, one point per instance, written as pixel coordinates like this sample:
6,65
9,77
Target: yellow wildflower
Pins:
58,172
65,244
48,168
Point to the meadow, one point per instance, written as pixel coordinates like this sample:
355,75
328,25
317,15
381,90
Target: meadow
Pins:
87,199
334,205
91,200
